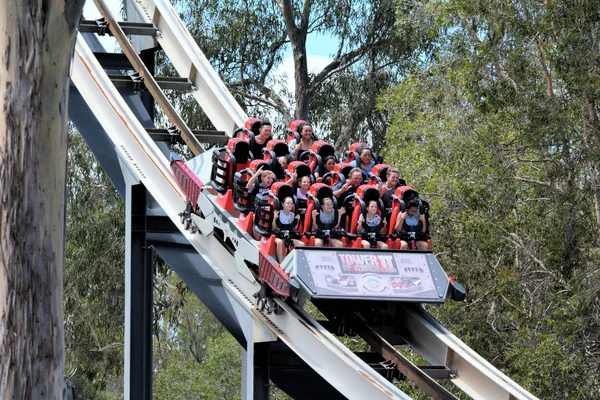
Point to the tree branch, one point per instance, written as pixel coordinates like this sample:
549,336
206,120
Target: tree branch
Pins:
346,61
534,181
305,15
545,70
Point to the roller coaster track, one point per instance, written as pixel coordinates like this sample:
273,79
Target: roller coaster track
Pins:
305,336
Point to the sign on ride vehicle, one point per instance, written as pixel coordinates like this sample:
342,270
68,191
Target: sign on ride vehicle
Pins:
375,274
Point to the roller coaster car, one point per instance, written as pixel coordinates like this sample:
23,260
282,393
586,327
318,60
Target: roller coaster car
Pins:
323,231
401,197
360,200
242,198
191,186
293,132
228,160
314,158
339,174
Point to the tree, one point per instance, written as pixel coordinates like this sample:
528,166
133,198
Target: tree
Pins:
246,41
494,126
94,277
36,45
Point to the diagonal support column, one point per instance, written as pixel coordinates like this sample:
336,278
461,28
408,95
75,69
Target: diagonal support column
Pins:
138,298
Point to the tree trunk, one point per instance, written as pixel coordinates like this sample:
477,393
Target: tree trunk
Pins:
302,90
36,44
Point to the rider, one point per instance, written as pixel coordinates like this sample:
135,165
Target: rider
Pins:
371,224
260,140
285,221
326,217
412,225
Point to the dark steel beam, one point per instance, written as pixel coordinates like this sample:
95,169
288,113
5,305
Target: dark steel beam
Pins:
141,266
113,61
203,136
165,82
401,363
130,28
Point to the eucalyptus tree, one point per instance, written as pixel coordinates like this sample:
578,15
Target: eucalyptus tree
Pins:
247,40
36,45
498,127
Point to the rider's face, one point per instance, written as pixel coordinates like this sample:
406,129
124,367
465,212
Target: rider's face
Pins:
372,207
305,182
267,180
412,211
330,164
265,130
288,205
327,205
306,132
356,179
365,156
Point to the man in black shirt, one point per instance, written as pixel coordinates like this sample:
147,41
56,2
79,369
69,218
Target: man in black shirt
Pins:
260,141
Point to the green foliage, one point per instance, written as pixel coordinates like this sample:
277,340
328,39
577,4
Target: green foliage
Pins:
495,127
194,356
94,291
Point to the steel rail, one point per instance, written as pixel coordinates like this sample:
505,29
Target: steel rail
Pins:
403,364
473,374
148,79
211,93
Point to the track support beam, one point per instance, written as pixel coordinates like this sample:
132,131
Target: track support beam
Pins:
138,298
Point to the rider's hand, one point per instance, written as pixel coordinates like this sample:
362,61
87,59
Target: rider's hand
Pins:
422,218
343,210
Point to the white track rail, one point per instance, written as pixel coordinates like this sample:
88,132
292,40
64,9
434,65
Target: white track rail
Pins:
319,349
209,90
474,375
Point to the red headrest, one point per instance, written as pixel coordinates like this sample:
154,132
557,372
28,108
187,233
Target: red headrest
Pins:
252,124
279,147
380,170
300,168
296,124
355,146
322,148
254,164
282,190
236,145
367,192
320,190
406,192
344,168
